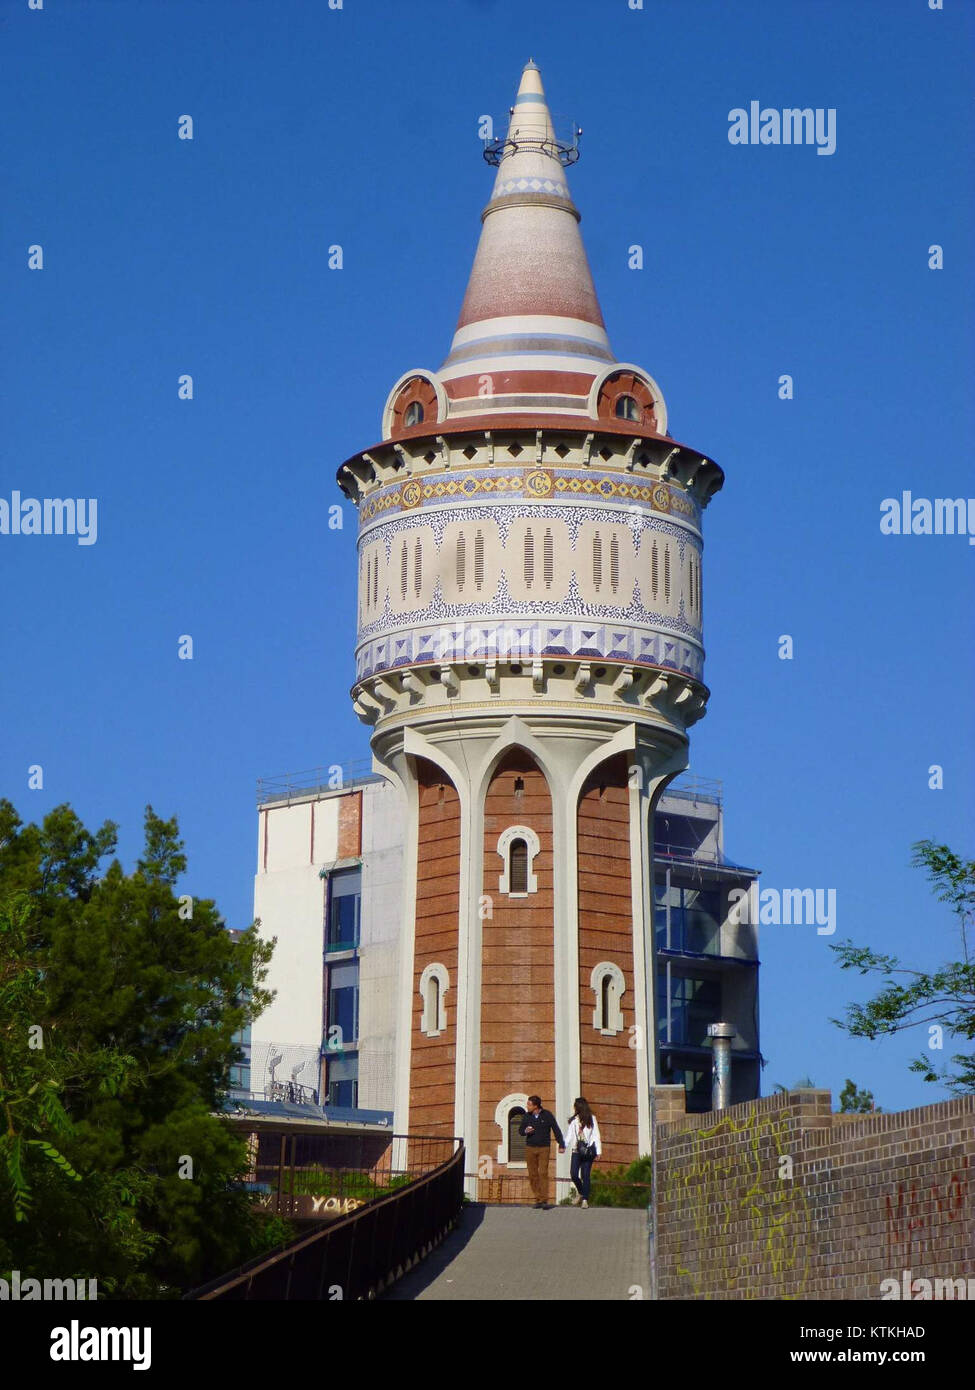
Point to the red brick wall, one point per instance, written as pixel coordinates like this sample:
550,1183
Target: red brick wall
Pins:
350,826
437,906
608,1068
517,962
868,1198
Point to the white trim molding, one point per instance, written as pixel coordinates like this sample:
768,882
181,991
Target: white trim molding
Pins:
517,832
617,984
432,1027
502,1115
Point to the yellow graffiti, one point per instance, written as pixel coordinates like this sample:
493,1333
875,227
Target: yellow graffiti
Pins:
739,1193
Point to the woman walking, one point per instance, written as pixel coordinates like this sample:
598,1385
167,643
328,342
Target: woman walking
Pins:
584,1144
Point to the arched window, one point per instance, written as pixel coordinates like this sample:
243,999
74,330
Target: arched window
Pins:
508,1115
516,1141
518,866
608,984
413,414
434,983
627,408
518,846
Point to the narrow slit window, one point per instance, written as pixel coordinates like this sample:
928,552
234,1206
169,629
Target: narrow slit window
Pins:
614,563
417,568
597,562
604,987
654,571
404,570
518,867
667,573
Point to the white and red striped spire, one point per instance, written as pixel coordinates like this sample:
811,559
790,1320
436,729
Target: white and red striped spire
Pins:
530,337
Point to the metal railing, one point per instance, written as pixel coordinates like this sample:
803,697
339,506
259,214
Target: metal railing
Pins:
689,787
333,777
359,1255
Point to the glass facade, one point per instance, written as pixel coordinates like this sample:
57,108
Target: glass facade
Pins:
343,898
687,919
240,1072
684,1013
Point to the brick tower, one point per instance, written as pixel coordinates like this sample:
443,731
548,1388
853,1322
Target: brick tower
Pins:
530,659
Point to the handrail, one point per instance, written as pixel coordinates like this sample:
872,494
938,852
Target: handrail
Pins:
409,1222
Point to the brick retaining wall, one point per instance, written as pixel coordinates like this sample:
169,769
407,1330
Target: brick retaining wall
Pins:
779,1198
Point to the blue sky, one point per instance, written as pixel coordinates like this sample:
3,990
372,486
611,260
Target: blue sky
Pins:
359,127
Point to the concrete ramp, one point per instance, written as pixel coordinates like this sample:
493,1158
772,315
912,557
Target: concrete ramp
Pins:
519,1254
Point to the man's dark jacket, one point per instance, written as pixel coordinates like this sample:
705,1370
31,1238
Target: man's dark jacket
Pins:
545,1126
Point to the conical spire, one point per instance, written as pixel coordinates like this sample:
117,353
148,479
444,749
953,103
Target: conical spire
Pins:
530,336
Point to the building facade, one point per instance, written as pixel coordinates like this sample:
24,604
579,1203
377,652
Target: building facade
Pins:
529,661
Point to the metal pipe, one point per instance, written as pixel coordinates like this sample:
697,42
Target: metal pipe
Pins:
721,1034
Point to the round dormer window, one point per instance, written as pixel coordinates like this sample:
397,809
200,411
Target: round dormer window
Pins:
626,396
414,407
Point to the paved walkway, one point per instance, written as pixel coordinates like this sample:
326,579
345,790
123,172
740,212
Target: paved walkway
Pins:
517,1253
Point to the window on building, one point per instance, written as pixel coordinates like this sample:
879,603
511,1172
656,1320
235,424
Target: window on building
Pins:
517,847
343,899
627,408
518,867
343,1002
434,983
684,1016
687,919
608,985
413,415
516,1141
343,1082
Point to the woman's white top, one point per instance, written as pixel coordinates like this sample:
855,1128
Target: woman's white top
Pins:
589,1135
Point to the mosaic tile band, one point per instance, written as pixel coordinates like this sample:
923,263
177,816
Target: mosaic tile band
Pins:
561,484
523,641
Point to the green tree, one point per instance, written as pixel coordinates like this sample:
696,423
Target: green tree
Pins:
118,1163
941,1000
855,1102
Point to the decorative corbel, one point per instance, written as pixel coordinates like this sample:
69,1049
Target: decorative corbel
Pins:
583,676
538,674
623,681
629,461
665,466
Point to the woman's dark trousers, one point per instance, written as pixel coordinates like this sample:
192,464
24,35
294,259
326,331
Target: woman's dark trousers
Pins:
580,1171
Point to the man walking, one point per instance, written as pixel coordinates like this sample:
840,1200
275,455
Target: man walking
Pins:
538,1126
